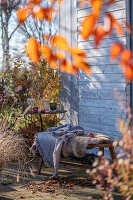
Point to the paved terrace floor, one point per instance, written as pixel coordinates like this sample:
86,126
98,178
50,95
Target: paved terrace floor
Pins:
74,184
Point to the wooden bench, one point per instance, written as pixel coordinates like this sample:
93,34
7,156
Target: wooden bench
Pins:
101,148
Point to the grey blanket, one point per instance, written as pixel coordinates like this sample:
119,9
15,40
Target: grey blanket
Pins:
46,141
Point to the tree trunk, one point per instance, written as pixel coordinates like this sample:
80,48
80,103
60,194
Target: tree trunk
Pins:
5,39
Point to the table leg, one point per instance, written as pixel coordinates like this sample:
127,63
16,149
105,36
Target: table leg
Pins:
41,122
112,152
102,150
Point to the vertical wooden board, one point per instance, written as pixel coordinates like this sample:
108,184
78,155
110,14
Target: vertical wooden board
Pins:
69,96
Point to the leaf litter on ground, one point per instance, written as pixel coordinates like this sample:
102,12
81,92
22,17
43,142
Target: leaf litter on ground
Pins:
56,187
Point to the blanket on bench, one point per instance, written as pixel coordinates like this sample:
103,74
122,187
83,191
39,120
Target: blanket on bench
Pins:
65,139
49,144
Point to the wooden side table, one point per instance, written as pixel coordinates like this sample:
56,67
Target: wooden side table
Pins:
46,113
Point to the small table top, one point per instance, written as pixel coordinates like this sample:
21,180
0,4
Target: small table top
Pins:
46,112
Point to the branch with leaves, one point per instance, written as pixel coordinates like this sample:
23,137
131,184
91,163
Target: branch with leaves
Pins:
89,27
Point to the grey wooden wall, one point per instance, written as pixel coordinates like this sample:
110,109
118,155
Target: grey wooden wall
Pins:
97,106
68,28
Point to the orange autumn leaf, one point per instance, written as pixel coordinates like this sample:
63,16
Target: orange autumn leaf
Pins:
59,1
129,72
35,1
88,26
45,52
126,55
53,61
118,27
43,13
128,28
77,50
115,50
60,42
32,48
39,13
115,24
99,34
46,37
60,56
78,60
85,67
22,14
96,6
67,67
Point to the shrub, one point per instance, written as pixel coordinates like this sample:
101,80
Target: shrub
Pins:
119,175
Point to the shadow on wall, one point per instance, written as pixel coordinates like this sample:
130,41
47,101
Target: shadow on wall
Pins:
69,98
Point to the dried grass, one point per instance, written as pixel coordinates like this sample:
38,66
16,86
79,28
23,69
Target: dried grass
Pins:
12,147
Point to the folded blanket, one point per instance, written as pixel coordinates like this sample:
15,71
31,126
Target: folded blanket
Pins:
49,144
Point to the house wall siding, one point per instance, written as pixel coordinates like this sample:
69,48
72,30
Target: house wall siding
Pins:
68,29
92,101
99,107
